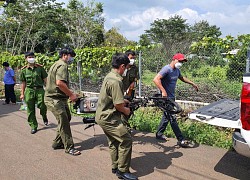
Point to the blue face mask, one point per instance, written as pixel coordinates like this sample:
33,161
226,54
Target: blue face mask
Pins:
70,60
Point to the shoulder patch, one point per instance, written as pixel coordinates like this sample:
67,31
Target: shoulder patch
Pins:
38,65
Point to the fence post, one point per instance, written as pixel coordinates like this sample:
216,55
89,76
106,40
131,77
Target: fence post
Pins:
248,59
79,74
140,74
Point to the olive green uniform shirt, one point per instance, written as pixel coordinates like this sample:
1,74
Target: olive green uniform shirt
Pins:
34,77
131,76
111,93
58,71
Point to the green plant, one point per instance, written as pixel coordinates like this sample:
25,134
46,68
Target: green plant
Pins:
147,119
147,78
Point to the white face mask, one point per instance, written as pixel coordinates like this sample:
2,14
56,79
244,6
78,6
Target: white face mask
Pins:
132,61
31,60
70,60
178,65
125,72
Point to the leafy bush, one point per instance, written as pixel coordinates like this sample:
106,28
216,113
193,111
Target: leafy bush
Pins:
147,119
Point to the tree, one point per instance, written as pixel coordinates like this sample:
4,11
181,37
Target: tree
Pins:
24,27
144,40
114,39
7,2
173,33
85,24
203,29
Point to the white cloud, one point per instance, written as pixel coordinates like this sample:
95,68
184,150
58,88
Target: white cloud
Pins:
133,17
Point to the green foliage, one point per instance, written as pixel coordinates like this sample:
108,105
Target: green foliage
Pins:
172,33
216,48
203,29
112,38
95,62
147,77
147,119
206,134
217,74
154,58
84,23
27,28
144,40
50,26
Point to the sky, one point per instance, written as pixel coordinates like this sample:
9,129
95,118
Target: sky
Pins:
133,17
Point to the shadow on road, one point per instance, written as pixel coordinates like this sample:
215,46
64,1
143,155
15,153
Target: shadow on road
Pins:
95,141
234,165
8,108
147,163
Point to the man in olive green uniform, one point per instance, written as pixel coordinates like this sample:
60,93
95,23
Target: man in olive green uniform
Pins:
111,116
131,75
33,77
57,94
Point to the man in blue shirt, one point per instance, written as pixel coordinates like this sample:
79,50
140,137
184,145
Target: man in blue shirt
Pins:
166,80
9,83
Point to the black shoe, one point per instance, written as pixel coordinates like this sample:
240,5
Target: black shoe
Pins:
46,122
114,170
33,131
162,138
183,143
125,175
57,146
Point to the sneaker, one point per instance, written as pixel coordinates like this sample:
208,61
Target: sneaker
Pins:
183,143
162,138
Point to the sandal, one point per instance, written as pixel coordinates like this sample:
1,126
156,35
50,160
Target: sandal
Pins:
73,152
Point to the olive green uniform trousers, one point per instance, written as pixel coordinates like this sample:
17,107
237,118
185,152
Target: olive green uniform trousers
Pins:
61,111
120,143
33,97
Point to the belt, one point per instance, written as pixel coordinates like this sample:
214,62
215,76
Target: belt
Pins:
36,87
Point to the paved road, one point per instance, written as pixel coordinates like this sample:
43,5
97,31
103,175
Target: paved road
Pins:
30,157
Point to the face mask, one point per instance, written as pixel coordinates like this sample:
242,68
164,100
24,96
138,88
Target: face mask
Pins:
31,60
178,65
71,60
132,61
125,72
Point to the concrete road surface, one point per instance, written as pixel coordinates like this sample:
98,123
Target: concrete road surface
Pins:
24,156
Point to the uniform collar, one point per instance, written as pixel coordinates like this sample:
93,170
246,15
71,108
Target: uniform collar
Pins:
31,67
63,61
116,74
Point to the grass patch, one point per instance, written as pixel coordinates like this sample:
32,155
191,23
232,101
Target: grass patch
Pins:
147,77
147,119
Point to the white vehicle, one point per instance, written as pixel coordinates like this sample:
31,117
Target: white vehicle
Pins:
232,114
